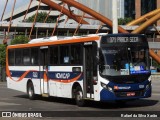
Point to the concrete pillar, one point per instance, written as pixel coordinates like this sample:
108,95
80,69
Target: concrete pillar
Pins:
67,32
87,32
137,8
4,33
47,33
15,33
37,33
26,33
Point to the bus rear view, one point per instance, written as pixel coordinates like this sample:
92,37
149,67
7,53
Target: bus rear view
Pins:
124,67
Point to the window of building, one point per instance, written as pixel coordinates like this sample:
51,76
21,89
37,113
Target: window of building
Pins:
148,6
54,55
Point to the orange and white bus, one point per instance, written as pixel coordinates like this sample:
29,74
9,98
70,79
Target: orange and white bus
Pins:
100,67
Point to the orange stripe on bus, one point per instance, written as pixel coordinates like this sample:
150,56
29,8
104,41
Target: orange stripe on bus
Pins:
45,77
21,78
7,67
69,81
75,40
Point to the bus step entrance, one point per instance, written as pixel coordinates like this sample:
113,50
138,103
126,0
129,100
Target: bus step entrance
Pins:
45,95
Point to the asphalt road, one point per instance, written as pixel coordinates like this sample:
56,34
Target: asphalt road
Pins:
14,101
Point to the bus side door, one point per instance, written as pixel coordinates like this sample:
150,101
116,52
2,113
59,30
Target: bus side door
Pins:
90,68
44,69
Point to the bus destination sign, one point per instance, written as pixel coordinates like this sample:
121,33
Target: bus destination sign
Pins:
122,39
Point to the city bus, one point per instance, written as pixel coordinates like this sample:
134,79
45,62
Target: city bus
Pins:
101,67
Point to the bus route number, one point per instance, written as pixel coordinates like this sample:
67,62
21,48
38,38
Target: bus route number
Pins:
123,39
35,74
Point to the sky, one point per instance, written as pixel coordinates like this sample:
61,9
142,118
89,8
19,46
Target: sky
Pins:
10,5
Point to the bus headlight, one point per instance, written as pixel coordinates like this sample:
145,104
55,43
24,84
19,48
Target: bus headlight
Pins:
106,87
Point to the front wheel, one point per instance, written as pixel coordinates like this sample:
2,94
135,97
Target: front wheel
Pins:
79,97
30,91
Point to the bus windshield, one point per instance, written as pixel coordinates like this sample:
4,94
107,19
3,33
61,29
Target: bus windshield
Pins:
123,60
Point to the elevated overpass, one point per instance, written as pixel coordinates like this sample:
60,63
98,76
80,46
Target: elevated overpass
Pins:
68,29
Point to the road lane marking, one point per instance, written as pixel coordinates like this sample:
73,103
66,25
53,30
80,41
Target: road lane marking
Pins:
158,94
5,103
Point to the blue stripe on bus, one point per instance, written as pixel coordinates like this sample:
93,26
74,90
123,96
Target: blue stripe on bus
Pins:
51,75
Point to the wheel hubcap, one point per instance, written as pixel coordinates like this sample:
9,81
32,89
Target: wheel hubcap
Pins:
30,92
79,95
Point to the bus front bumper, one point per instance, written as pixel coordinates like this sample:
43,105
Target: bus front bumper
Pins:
106,95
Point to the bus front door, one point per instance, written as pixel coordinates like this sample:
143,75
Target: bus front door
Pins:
44,70
88,60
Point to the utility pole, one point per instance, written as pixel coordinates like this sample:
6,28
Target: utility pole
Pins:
114,16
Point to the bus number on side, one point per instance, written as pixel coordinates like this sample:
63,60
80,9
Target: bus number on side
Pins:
35,74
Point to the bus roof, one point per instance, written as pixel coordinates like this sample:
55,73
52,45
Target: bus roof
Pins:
54,40
50,41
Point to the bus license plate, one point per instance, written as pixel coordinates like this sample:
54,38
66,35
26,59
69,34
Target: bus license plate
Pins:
131,94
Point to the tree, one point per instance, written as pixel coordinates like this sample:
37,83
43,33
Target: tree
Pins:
40,18
21,39
124,21
2,55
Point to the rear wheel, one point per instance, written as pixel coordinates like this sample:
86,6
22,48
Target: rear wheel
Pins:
79,97
30,91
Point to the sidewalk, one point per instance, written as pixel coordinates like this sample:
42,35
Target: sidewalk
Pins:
155,76
3,81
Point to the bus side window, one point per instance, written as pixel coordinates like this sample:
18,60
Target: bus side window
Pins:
64,55
11,57
76,54
54,55
18,56
26,56
34,56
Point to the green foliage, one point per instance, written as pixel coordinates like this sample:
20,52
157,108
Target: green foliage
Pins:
21,39
124,21
155,64
40,18
2,54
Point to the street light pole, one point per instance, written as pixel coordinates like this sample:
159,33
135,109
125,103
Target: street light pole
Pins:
114,16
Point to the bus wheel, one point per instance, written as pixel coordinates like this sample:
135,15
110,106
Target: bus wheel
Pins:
30,91
79,97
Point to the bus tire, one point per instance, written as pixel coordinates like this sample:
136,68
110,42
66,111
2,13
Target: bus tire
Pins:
30,91
79,97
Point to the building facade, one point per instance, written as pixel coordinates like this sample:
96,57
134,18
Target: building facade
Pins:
103,7
137,8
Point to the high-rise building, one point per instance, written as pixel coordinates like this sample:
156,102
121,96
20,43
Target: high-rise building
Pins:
103,7
147,6
137,8
129,8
